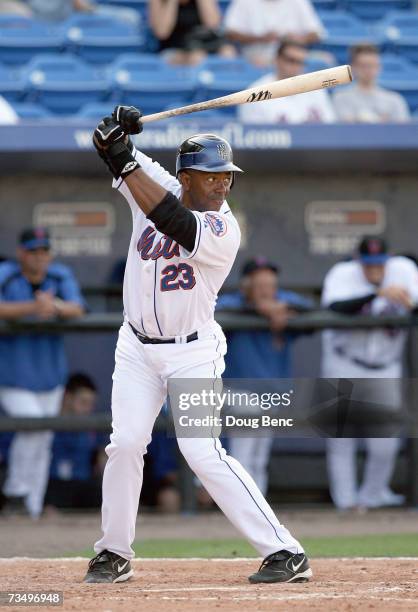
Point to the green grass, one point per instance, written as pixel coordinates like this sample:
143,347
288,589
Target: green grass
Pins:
375,545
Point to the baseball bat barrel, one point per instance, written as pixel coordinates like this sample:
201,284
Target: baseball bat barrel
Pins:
321,79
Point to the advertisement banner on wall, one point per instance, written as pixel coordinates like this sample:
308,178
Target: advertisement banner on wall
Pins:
77,228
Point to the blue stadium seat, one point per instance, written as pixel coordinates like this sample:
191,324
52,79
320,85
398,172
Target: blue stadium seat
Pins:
63,83
373,10
100,39
139,5
398,74
12,86
22,38
400,29
397,67
327,5
138,61
407,87
151,86
318,62
27,110
219,77
95,110
343,31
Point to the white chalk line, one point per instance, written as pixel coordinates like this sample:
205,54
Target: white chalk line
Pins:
288,598
250,589
191,559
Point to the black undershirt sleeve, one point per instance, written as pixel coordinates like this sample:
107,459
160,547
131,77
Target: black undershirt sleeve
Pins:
171,218
352,306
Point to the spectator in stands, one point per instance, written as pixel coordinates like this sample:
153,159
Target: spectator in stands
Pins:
188,29
59,10
375,284
33,367
260,354
364,101
260,25
78,458
8,115
312,107
15,7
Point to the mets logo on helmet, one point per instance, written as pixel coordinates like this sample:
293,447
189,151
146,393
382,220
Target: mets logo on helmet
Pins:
216,223
223,151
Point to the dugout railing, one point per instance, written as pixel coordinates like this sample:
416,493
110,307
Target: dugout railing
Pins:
230,321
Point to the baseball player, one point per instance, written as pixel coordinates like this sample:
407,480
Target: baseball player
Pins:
33,367
184,242
373,283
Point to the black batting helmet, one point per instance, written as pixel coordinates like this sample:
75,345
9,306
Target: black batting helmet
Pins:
205,152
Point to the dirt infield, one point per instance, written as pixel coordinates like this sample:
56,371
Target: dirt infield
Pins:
221,585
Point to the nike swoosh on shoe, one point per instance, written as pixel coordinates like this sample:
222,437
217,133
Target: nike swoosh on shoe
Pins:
122,567
296,567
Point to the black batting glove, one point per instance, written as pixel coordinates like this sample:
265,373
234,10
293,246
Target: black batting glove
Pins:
107,133
114,148
129,118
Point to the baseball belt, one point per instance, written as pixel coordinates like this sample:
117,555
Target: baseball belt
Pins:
147,340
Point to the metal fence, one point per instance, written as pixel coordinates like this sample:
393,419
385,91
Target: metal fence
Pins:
230,321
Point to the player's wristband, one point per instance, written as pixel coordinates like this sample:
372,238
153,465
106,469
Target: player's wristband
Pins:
120,160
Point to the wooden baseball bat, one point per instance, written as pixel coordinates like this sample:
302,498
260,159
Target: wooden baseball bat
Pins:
322,79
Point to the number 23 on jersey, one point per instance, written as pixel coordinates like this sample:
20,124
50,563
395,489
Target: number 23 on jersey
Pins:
176,277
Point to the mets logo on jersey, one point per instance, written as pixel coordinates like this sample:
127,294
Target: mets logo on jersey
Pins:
216,223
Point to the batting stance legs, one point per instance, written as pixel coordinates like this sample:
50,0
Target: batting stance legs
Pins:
139,390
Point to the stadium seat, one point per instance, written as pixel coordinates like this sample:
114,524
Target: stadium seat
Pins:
327,5
343,31
138,81
398,74
400,30
63,83
135,61
318,62
407,87
219,76
139,5
12,85
100,39
26,110
373,10
22,38
397,67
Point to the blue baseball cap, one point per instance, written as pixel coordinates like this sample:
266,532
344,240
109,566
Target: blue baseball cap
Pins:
35,238
259,263
372,251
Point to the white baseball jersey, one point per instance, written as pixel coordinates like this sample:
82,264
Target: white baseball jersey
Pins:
167,290
373,346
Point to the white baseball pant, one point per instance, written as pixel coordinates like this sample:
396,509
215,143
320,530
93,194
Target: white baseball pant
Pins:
139,391
30,452
381,452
